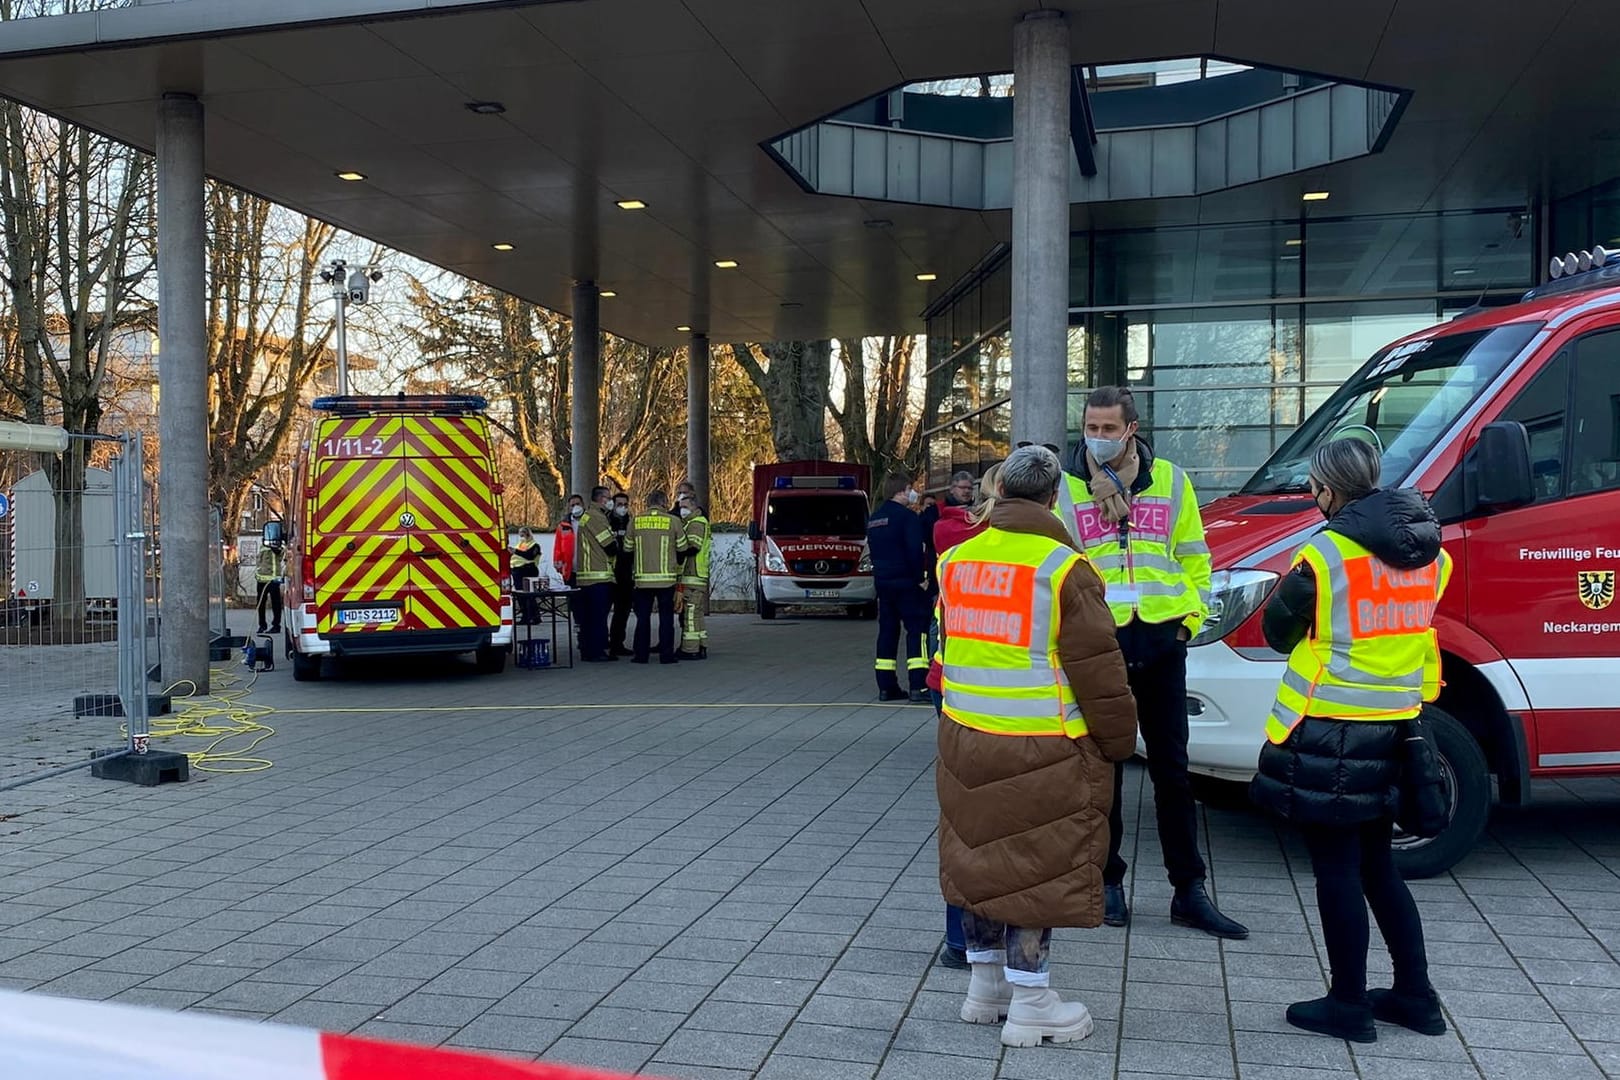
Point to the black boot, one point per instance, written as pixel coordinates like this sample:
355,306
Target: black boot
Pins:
892,694
1193,907
1330,1016
1116,912
952,957
1416,1012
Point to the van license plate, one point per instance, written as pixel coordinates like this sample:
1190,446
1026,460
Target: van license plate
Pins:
369,615
821,594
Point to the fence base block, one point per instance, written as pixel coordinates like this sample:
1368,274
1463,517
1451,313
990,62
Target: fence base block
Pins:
111,705
148,770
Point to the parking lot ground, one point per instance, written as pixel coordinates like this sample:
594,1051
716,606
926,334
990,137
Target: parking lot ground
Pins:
728,869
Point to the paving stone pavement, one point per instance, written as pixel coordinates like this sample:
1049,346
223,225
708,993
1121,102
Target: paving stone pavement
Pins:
728,869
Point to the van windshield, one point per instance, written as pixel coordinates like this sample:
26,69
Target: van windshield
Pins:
816,515
1402,401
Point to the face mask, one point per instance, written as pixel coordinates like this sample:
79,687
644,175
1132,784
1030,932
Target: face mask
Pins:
621,511
686,511
576,511
912,497
1316,500
1105,450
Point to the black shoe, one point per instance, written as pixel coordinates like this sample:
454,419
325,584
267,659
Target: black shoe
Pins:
688,656
952,957
1332,1017
600,659
1415,1012
920,695
1116,912
893,695
638,659
261,630
274,630
620,650
1193,907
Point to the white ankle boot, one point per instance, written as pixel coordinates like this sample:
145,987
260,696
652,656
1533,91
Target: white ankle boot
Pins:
989,994
1038,1013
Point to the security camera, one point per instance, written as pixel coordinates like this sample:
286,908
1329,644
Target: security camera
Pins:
359,287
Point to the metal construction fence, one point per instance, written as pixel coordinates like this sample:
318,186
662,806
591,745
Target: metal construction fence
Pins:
79,619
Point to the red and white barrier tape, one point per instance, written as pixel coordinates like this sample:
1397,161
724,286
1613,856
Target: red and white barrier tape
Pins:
49,1038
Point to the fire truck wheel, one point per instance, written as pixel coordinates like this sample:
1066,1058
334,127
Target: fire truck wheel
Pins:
767,610
1468,778
491,659
305,668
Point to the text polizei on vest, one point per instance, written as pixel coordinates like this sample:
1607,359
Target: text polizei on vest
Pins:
1567,554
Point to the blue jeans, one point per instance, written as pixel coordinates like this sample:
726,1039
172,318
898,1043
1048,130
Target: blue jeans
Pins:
953,928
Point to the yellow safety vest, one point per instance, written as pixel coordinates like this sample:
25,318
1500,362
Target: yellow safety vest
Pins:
270,567
695,567
592,535
1162,572
1372,654
526,555
654,539
999,599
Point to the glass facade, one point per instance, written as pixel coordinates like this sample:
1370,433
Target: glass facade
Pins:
1229,334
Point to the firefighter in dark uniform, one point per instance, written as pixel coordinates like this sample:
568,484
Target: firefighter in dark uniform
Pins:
624,577
894,538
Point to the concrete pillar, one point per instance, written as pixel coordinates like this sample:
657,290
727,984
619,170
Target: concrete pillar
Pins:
697,416
183,391
586,389
1040,227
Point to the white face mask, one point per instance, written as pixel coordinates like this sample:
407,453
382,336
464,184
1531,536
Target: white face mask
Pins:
576,511
686,511
912,497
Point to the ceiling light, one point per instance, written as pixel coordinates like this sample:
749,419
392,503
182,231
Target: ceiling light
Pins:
502,247
1462,271
1315,196
1295,242
351,176
607,294
486,108
631,204
927,277
726,264
684,329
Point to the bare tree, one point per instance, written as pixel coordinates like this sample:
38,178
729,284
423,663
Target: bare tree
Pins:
793,377
880,414
75,212
263,351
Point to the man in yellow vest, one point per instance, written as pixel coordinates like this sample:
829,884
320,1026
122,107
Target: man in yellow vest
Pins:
694,581
267,575
1136,517
595,550
656,540
1035,707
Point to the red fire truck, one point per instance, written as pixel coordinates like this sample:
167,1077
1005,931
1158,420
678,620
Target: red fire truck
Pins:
1509,420
809,534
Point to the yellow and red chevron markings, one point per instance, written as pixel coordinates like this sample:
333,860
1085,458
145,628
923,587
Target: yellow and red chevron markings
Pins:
406,516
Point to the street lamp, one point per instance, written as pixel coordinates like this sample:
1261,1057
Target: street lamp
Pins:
349,286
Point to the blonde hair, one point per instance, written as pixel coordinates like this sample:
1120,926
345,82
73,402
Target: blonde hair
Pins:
987,496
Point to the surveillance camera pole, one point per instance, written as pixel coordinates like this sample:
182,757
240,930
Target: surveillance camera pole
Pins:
343,291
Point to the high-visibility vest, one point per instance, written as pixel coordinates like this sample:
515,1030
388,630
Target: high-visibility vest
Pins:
695,567
655,539
270,567
593,565
1160,573
999,599
1372,654
526,555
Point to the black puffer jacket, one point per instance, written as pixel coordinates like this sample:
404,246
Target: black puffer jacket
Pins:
1342,772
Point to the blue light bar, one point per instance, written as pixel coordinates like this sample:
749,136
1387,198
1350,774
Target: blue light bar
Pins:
356,404
842,483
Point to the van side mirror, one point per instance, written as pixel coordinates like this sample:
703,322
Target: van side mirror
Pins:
753,530
274,532
1501,467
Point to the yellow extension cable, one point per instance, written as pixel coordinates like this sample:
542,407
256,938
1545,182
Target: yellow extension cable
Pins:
220,716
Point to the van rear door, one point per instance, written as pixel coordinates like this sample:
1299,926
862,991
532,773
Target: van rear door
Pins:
451,525
355,541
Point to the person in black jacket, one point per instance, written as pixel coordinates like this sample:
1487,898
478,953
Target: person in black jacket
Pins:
894,539
1337,779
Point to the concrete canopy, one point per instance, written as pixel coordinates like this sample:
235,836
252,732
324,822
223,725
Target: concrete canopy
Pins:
668,102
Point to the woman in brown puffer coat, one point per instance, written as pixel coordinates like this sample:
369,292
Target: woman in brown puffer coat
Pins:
1023,832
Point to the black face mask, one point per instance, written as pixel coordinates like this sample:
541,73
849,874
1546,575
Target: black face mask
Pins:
1326,511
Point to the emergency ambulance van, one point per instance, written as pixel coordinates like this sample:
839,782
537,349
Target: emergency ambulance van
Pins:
397,543
1508,418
